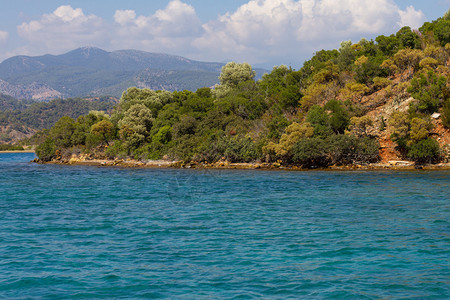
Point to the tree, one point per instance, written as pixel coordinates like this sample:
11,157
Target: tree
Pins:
424,151
400,128
105,129
360,126
339,118
354,91
408,38
47,150
387,44
408,59
231,75
390,66
62,131
135,126
163,136
153,100
429,89
293,134
311,152
419,130
319,119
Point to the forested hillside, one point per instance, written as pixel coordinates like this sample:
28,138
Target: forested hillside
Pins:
20,119
366,101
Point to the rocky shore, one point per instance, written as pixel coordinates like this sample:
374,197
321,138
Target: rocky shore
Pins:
133,163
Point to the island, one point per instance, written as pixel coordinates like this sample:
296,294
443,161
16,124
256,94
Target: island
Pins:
375,102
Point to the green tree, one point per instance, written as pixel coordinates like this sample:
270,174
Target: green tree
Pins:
163,136
232,75
360,126
105,129
339,118
420,130
62,131
135,126
388,44
47,150
311,152
400,125
408,59
294,133
319,119
429,89
408,38
424,151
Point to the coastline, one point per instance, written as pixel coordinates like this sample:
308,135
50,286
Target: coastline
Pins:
165,164
17,151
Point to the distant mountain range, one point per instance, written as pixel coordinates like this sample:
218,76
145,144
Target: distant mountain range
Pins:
92,71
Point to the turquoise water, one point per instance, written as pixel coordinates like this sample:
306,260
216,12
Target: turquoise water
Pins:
90,232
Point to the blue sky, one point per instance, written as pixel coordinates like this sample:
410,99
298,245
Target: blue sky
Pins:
261,32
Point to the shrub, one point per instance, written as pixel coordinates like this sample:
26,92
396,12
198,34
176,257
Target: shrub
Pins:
47,150
349,149
424,151
311,153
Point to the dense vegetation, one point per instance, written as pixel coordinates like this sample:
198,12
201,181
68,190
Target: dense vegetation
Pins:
40,115
20,117
315,116
7,147
10,103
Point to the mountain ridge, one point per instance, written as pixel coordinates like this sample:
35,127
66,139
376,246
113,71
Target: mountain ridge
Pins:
87,70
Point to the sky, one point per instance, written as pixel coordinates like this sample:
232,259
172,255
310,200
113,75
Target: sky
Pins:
264,33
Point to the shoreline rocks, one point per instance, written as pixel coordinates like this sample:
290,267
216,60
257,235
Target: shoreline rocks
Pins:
132,163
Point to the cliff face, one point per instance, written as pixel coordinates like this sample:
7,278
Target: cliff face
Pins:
383,103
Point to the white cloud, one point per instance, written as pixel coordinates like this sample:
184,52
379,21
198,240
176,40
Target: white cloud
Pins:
286,31
168,29
64,29
3,36
411,17
289,29
124,17
67,13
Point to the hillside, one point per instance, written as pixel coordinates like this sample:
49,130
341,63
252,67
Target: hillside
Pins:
94,72
384,100
20,119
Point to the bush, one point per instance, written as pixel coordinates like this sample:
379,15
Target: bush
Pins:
336,149
47,150
311,153
233,149
424,151
349,149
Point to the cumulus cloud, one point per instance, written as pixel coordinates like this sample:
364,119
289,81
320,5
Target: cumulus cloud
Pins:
286,27
258,31
411,17
3,36
167,29
66,28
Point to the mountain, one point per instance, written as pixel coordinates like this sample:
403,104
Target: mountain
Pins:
92,71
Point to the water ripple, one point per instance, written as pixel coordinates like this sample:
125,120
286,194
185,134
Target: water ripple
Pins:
89,232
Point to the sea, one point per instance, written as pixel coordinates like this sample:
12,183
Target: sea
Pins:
87,232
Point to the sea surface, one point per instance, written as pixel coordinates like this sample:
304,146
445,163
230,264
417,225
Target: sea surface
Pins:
77,232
